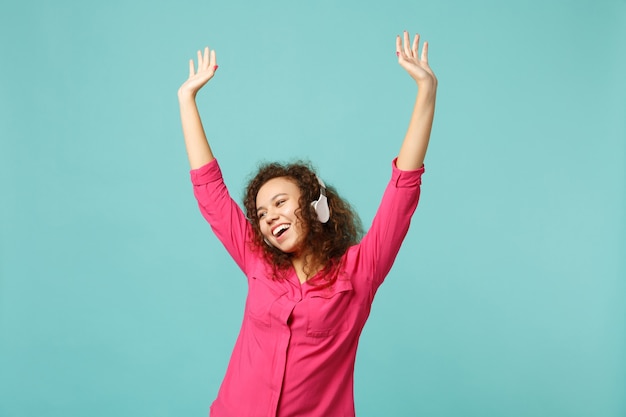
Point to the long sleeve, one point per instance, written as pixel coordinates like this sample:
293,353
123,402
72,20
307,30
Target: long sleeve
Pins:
223,214
377,250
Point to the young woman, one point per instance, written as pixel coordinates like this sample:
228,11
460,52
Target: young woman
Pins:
311,283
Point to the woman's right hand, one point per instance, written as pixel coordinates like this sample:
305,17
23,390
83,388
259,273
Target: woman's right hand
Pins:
207,65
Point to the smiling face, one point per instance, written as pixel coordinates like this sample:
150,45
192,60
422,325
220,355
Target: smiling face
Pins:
277,203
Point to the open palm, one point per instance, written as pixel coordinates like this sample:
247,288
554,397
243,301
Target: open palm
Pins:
207,65
409,59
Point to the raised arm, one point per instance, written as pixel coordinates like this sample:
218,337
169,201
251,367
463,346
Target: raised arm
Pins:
415,142
198,149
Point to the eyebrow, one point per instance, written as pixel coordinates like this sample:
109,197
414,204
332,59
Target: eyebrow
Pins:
272,199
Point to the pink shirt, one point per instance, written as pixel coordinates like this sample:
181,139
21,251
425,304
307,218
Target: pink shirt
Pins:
297,345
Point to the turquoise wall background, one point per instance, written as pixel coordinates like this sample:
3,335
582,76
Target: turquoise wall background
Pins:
508,297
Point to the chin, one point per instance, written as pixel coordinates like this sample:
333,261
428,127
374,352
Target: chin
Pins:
289,251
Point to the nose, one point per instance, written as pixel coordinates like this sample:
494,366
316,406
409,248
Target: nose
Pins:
270,216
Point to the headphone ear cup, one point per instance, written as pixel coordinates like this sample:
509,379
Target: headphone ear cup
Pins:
321,204
321,208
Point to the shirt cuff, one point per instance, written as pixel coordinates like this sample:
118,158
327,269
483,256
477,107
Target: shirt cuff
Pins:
206,173
406,179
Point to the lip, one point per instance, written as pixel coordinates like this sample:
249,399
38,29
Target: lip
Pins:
282,236
277,226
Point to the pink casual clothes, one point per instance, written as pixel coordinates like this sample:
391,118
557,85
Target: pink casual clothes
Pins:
297,345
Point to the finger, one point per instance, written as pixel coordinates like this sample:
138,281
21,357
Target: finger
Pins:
191,69
425,53
199,60
205,61
213,60
398,45
416,43
407,42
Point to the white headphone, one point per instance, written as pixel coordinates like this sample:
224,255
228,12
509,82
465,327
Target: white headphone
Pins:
321,204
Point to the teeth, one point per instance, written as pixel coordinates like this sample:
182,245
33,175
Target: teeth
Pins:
280,229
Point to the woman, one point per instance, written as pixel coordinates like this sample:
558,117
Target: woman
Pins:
310,282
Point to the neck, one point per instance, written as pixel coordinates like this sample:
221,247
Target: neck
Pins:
305,266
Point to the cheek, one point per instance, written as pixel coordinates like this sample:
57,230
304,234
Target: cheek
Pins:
300,225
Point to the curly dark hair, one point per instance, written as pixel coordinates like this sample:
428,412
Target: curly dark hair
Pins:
326,242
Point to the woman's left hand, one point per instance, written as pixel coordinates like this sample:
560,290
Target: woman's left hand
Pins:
409,59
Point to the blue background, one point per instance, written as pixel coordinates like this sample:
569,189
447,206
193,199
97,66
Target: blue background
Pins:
508,296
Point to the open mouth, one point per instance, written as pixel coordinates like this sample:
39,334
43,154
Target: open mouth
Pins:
280,229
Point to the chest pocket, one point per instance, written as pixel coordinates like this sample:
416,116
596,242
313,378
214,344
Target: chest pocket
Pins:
261,303
329,309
